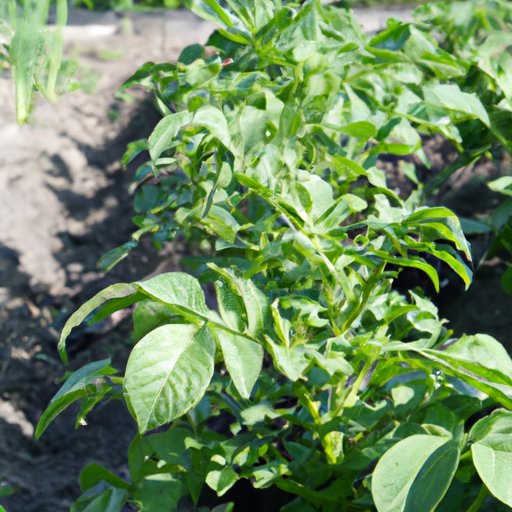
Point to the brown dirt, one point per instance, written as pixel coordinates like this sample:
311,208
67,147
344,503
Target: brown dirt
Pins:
64,202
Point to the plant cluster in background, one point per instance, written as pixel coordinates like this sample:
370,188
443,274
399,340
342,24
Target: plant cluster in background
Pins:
290,360
480,34
120,5
33,51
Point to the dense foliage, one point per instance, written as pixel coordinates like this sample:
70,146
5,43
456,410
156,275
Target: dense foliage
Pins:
481,36
290,360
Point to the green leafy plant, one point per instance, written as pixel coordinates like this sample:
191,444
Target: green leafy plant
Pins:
291,361
478,35
33,50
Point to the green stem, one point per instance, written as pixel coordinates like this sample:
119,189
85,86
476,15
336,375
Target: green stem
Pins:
351,398
375,275
479,500
56,47
307,401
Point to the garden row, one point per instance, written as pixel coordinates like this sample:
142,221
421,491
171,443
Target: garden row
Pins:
287,357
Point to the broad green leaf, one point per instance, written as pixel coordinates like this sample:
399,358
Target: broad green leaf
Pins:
332,363
215,122
80,384
211,10
170,446
167,373
484,350
111,499
94,473
191,53
253,126
243,359
222,223
165,132
256,305
149,315
450,96
159,492
359,129
414,474
221,480
469,363
231,307
258,413
291,361
434,478
320,192
502,185
178,290
115,291
492,453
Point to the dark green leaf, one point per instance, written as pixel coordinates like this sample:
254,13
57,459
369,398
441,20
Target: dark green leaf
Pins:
77,386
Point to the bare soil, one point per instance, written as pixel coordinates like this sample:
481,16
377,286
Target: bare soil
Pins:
64,202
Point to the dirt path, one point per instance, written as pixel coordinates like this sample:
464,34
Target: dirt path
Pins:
63,203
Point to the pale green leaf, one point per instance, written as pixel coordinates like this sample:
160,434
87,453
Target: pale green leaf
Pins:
419,467
450,96
257,309
221,480
243,359
502,185
165,132
215,122
167,373
115,291
492,453
178,290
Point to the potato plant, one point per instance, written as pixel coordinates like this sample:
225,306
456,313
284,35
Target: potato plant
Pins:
478,35
286,357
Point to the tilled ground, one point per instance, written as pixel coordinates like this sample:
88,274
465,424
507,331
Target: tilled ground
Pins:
64,202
